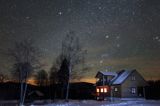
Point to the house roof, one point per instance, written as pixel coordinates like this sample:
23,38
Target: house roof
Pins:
122,75
119,77
105,73
108,73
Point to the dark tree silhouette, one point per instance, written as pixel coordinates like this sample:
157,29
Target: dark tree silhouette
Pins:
53,80
63,76
71,55
53,73
42,78
26,58
2,77
53,77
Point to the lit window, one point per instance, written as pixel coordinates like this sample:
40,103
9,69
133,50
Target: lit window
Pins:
133,90
101,89
133,78
115,89
105,90
97,89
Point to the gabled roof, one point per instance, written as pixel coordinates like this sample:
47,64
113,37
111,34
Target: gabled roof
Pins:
122,75
118,77
105,73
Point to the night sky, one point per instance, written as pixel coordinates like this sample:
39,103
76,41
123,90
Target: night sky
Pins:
117,34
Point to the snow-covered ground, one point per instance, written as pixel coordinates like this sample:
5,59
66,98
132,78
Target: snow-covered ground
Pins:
107,103
116,102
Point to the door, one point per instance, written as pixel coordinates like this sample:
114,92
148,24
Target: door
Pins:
140,91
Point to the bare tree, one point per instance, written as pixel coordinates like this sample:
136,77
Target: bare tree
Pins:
26,58
2,77
71,55
42,77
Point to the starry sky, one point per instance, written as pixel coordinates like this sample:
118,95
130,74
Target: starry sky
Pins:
117,34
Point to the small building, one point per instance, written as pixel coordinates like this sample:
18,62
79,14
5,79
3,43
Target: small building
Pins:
121,84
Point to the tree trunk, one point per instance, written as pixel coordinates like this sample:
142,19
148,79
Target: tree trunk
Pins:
25,89
68,84
67,93
21,93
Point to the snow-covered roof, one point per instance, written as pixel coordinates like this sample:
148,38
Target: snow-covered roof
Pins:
118,77
108,73
105,73
122,75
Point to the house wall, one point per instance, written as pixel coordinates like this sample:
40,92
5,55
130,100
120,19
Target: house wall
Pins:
129,83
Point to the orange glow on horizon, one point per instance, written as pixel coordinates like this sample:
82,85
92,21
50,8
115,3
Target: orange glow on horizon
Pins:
89,80
31,81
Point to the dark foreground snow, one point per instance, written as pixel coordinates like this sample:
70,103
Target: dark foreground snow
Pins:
120,102
107,103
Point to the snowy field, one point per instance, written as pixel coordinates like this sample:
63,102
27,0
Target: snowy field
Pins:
107,103
123,102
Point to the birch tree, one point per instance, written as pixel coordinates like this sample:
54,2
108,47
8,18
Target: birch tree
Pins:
26,58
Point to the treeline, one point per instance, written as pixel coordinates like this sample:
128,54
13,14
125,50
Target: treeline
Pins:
153,90
81,90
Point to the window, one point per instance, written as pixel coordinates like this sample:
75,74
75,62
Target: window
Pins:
97,89
101,89
105,90
133,90
133,78
115,89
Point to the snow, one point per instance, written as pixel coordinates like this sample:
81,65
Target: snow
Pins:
116,102
122,77
107,103
108,73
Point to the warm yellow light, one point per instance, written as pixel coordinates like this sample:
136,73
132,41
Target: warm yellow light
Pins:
97,89
105,90
101,89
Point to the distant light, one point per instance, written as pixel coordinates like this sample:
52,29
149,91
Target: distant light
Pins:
101,89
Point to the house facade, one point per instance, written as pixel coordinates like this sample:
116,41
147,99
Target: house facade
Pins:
121,84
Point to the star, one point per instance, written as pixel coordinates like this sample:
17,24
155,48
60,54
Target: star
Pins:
60,13
107,36
118,45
